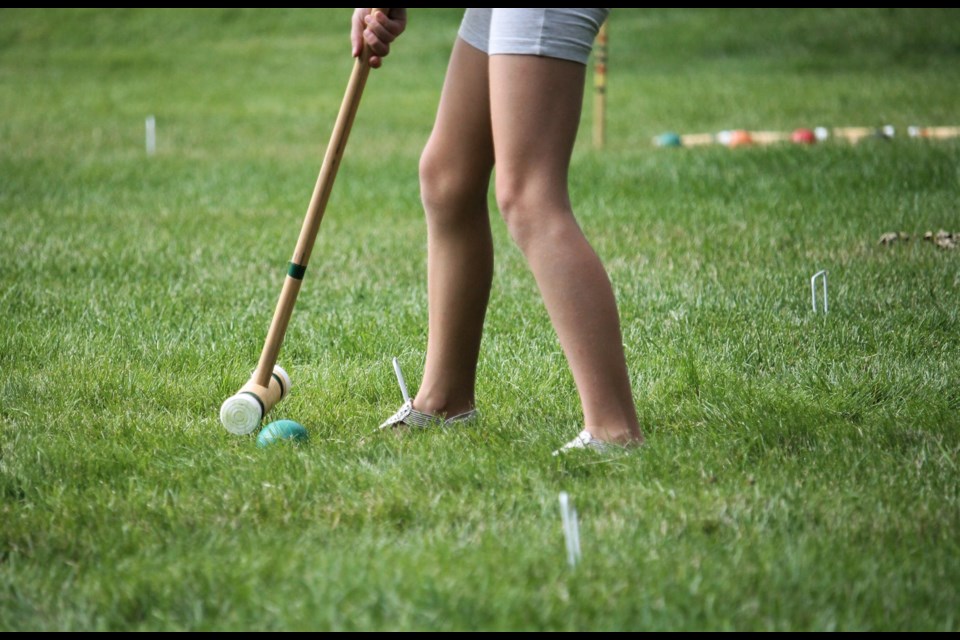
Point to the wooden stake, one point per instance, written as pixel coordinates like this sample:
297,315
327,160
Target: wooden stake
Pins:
600,89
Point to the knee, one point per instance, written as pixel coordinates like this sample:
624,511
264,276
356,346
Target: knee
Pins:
447,189
530,210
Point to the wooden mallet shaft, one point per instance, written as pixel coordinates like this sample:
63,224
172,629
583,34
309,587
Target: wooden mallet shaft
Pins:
265,385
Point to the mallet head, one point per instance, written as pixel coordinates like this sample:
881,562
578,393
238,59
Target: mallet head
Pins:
242,413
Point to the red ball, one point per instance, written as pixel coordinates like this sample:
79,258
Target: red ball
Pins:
803,136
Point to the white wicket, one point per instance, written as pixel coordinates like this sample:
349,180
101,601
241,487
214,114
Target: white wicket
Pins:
813,290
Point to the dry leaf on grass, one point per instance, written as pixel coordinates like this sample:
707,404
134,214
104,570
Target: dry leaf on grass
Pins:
943,239
894,236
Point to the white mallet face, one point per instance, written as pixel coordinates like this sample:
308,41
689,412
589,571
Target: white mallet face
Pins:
242,413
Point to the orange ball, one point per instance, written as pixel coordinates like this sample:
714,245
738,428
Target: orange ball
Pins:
739,138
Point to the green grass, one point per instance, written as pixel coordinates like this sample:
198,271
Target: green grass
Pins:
801,471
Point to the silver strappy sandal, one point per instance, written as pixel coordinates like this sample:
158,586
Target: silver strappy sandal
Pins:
407,415
586,441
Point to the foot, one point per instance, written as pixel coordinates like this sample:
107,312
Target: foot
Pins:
407,415
587,441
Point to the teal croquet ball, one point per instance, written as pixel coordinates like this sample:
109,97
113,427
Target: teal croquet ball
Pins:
281,430
669,139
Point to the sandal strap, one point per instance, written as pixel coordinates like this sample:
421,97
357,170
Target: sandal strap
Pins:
586,441
466,416
409,416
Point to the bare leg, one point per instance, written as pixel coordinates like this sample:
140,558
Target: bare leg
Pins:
535,110
454,180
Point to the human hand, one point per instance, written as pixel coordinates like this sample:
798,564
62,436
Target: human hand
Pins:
377,31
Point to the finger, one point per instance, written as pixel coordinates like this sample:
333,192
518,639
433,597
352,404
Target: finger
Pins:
377,46
394,25
357,25
379,29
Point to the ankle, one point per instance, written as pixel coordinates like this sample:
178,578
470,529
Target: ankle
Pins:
442,405
623,435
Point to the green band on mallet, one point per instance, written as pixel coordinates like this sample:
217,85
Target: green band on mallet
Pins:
296,271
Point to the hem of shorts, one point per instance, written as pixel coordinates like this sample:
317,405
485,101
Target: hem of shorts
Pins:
468,40
542,52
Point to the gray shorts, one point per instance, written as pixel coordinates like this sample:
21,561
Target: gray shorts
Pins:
567,34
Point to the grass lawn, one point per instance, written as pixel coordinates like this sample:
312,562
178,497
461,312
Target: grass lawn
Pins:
801,470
